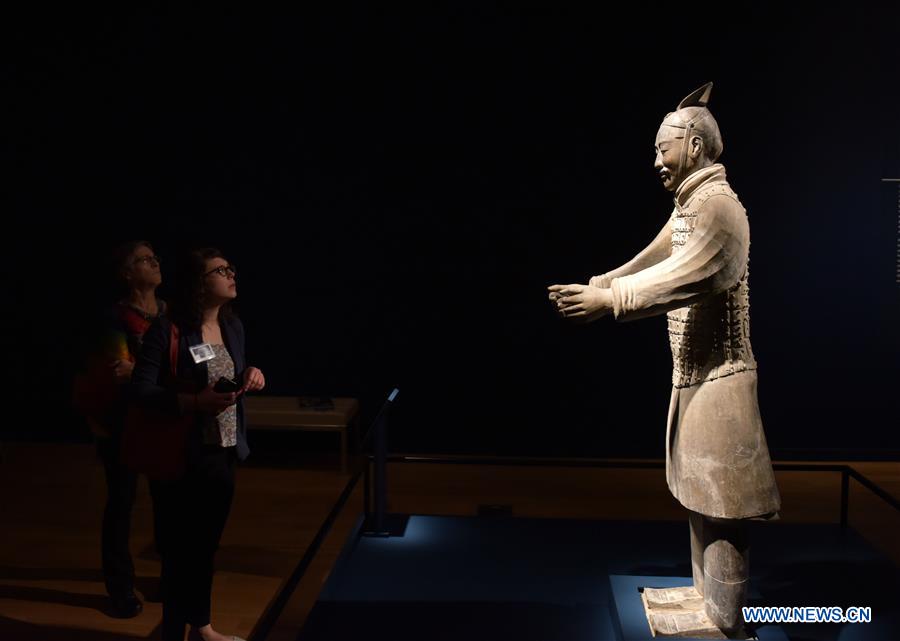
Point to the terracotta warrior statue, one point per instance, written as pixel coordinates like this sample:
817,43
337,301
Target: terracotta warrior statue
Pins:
696,273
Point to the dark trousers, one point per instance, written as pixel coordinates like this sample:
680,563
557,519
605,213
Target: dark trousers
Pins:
121,486
191,513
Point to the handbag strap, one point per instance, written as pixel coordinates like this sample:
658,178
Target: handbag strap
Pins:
173,350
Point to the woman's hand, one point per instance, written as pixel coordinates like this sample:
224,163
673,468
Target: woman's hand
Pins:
253,380
581,303
209,401
122,370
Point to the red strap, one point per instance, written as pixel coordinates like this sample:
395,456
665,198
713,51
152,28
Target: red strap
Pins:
173,350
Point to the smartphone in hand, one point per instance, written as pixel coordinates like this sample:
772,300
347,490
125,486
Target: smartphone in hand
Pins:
226,386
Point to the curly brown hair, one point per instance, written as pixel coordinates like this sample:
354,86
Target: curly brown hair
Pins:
186,305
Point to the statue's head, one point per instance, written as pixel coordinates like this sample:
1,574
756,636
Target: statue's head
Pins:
688,139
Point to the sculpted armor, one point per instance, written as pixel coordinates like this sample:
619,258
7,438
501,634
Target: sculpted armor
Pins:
717,459
710,338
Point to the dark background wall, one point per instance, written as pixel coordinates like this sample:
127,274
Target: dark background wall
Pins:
398,189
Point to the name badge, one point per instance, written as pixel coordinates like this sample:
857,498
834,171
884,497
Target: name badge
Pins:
202,352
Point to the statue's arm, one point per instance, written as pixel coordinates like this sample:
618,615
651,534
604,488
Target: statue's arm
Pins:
658,250
712,261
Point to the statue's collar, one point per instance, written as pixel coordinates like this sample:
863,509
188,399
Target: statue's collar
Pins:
712,174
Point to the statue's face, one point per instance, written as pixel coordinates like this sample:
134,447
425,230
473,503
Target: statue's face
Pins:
668,158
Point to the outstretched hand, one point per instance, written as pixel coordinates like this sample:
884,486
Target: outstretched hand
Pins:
581,303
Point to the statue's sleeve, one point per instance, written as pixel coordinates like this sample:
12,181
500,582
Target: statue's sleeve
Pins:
711,261
658,249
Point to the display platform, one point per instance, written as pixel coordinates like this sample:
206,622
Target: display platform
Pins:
503,578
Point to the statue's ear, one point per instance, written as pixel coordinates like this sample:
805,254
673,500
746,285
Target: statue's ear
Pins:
697,146
697,98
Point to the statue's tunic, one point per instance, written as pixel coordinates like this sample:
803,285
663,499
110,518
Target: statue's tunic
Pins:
717,460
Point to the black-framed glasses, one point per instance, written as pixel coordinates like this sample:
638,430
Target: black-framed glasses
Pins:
224,271
148,259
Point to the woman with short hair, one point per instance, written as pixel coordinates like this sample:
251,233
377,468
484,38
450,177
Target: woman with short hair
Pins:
99,394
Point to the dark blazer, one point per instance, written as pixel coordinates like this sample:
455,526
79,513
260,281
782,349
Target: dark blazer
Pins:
150,385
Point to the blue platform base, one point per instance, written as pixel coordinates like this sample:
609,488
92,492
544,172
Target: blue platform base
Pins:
497,578
627,609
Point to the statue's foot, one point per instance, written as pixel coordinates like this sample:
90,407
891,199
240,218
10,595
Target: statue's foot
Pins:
680,612
672,598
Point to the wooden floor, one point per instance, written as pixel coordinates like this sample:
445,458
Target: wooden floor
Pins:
51,503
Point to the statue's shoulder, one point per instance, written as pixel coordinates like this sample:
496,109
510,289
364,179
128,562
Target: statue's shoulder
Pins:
717,194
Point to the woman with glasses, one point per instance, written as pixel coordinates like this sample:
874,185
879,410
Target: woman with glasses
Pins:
99,394
192,510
